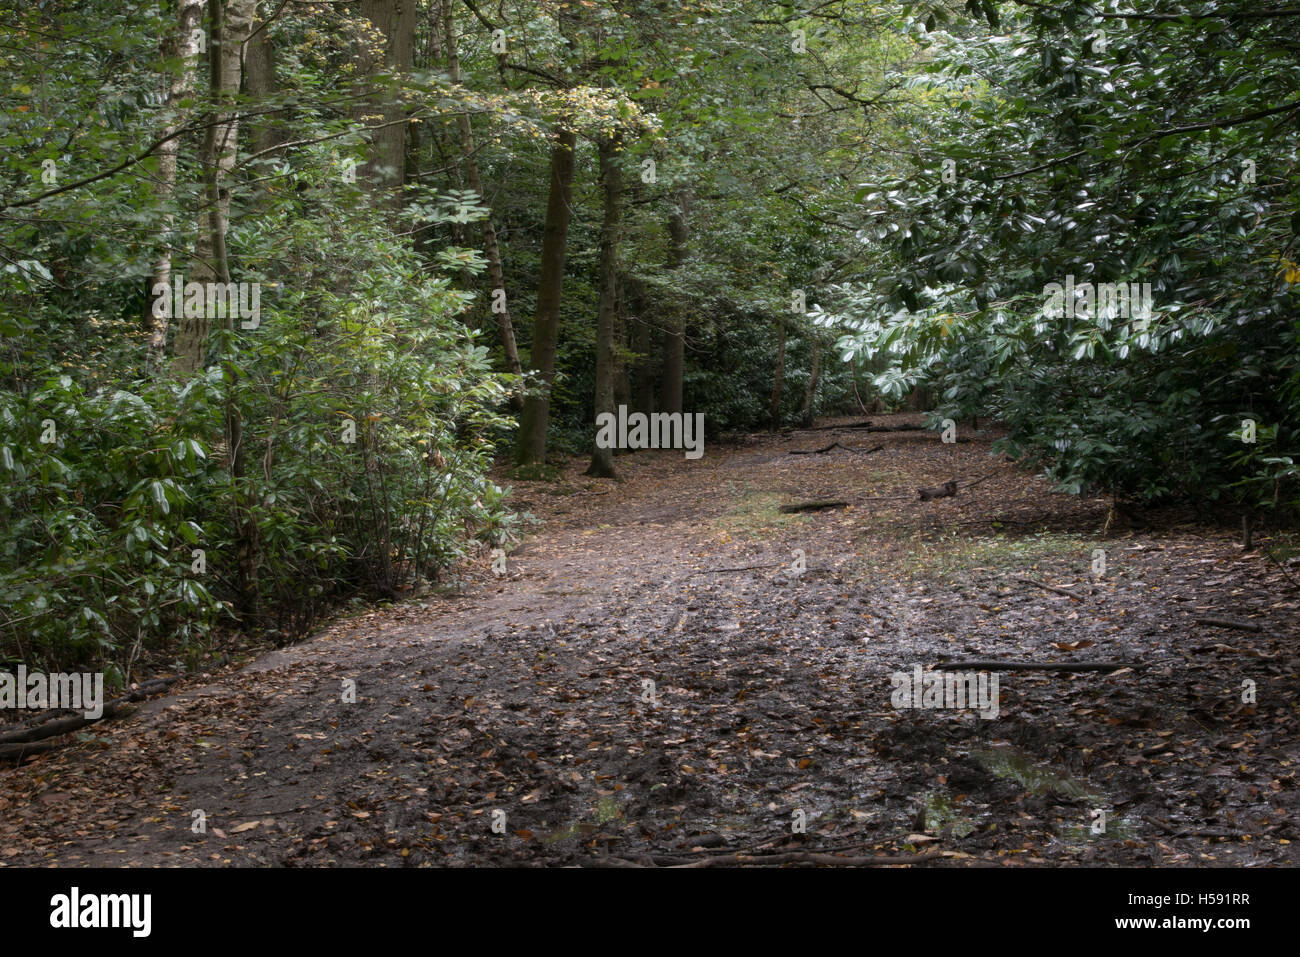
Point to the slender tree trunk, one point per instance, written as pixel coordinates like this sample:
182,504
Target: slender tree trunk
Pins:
611,176
265,133
228,27
622,377
531,443
229,23
639,336
810,393
180,85
920,399
491,249
384,108
670,399
674,365
778,380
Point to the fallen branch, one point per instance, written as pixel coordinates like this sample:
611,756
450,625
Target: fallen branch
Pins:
939,491
61,726
811,507
835,445
951,487
983,665
16,752
1051,588
985,477
821,451
1231,623
895,428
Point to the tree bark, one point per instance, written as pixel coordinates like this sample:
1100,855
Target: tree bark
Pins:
611,176
622,372
531,443
384,108
675,337
778,378
643,375
180,85
225,82
810,393
229,24
920,399
496,275
259,82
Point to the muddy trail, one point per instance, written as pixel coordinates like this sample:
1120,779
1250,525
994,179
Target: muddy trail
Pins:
673,671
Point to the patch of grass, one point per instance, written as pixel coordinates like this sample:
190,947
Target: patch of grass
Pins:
536,472
753,513
951,554
881,477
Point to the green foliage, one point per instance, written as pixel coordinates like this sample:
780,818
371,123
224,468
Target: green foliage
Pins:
1054,152
99,522
134,529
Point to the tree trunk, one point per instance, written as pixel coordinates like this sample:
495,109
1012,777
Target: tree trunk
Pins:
180,44
531,443
496,275
778,380
386,167
264,133
611,175
810,394
622,377
640,343
920,399
675,336
229,24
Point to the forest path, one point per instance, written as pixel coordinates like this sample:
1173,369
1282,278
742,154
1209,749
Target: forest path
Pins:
622,694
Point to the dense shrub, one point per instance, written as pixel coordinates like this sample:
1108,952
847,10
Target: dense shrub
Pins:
365,408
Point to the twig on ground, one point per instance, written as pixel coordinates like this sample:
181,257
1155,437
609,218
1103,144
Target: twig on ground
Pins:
985,665
1052,588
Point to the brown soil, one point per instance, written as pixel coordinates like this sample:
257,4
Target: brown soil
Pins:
528,693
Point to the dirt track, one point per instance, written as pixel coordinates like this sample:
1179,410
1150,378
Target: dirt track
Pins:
770,701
